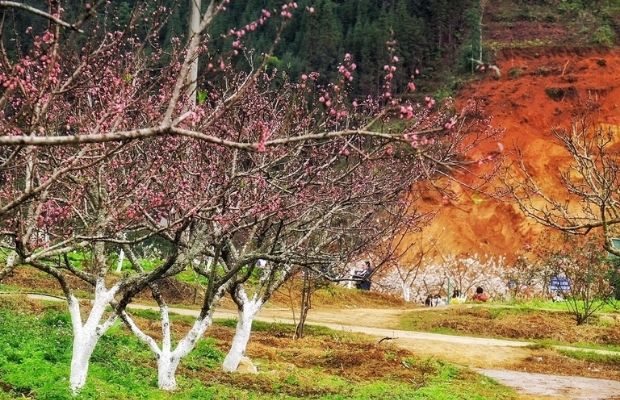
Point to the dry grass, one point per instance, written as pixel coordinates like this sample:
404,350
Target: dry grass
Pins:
548,361
515,324
188,294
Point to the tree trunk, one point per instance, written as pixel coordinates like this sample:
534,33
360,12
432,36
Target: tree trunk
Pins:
194,27
83,346
167,365
306,294
86,336
168,361
242,336
406,292
121,258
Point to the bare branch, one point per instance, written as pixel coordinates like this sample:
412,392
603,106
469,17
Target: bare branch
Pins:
36,11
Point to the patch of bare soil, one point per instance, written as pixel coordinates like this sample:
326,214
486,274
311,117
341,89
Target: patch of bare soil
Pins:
519,31
31,279
520,104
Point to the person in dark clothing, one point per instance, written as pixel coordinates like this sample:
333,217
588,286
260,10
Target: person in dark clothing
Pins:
364,277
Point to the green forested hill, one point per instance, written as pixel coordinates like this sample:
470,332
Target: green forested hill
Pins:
427,32
434,36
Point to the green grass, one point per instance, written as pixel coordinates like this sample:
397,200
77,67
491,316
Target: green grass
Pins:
35,353
581,345
589,356
548,305
448,385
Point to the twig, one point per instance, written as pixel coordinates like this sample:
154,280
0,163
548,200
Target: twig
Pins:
386,339
36,11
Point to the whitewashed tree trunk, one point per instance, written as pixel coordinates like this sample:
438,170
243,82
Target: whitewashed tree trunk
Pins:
121,258
11,260
406,292
242,335
167,365
167,359
86,335
83,346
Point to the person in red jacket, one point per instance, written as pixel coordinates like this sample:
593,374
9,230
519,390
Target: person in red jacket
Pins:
480,295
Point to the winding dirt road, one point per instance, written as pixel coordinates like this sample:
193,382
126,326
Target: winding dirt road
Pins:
487,356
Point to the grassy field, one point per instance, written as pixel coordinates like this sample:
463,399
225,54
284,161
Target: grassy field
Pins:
548,305
522,322
35,344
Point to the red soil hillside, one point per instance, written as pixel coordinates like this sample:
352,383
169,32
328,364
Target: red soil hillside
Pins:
520,104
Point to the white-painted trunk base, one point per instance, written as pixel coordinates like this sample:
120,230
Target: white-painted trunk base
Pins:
406,293
166,371
86,336
83,347
121,259
239,342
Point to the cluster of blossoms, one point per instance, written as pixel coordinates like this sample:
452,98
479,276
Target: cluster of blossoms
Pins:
406,111
450,124
347,69
417,141
249,27
222,7
264,135
312,76
286,9
332,101
430,102
52,213
328,102
389,76
34,73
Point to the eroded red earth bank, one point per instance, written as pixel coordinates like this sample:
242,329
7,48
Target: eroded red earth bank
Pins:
520,104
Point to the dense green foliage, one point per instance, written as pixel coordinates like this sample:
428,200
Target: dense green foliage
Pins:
429,33
426,32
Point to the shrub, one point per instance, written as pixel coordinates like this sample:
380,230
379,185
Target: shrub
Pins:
515,72
559,94
604,36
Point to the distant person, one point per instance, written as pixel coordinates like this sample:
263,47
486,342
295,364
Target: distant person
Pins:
480,295
457,297
431,301
364,277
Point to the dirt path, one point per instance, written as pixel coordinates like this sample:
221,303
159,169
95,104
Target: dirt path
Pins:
488,356
560,387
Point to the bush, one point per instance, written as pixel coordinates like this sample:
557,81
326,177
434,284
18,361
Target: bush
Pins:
559,94
570,6
515,73
604,36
